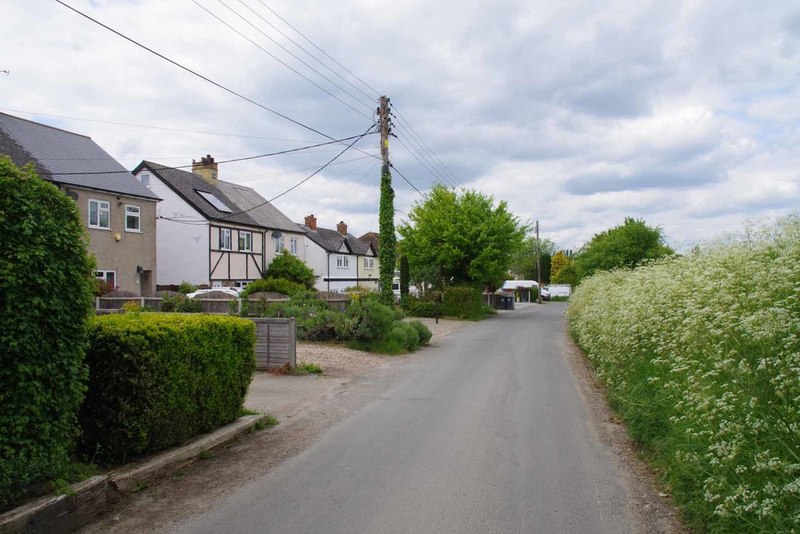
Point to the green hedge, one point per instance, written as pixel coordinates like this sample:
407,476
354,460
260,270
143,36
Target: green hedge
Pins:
46,286
157,379
275,285
463,302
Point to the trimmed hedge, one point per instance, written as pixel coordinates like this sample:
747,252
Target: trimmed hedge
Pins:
275,285
157,379
46,287
463,302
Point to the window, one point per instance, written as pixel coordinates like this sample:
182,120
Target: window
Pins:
278,243
109,277
214,201
225,238
241,284
145,179
343,262
133,219
245,241
293,245
369,263
99,214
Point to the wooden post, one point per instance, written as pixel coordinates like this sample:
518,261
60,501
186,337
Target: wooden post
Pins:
538,266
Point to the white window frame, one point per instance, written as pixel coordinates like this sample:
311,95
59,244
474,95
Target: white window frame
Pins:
369,263
144,177
278,244
245,241
137,215
293,246
102,206
225,239
105,275
342,261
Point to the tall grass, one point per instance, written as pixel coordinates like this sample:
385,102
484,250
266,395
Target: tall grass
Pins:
701,356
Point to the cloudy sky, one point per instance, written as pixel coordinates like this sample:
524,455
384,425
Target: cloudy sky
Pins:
577,113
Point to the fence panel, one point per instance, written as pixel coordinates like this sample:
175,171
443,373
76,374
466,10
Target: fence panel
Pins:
276,342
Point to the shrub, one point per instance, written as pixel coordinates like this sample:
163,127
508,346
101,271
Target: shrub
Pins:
402,337
423,332
365,320
157,379
181,303
46,288
701,357
275,285
463,302
289,267
187,288
417,307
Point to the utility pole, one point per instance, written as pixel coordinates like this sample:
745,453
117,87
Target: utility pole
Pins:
538,265
386,239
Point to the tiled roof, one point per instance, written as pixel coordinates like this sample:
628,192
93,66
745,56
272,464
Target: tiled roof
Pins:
332,241
187,184
265,214
66,158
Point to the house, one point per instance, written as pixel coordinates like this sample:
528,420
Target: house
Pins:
214,232
119,211
339,259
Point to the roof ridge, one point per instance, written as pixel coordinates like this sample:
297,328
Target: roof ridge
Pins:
45,125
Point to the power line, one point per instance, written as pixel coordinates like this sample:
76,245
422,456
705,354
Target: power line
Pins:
434,173
242,179
276,58
436,158
246,158
371,97
304,180
375,91
407,180
195,73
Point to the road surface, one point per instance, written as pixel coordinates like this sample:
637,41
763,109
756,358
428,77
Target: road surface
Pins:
489,433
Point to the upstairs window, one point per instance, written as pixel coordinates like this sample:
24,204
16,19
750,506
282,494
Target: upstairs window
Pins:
278,244
369,263
145,179
343,262
225,238
293,246
245,241
133,219
99,214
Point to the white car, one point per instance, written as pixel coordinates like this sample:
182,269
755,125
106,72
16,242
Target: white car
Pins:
232,291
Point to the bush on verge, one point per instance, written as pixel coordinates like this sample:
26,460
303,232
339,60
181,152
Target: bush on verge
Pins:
46,287
275,285
157,379
463,302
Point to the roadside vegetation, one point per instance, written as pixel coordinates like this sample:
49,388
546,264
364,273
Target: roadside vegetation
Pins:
701,357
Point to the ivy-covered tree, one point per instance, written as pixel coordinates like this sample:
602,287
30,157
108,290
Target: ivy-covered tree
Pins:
46,287
465,236
289,267
404,276
386,251
626,245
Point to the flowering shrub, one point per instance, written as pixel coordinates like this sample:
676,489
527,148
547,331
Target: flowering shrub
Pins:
701,356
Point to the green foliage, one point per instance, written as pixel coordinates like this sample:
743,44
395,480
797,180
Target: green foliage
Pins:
562,269
365,320
386,250
404,276
305,368
523,262
700,355
463,303
423,332
267,422
288,267
46,288
418,307
157,379
186,288
402,337
463,235
315,321
181,304
275,285
626,245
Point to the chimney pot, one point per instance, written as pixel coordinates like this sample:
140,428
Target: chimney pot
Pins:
341,228
311,221
206,167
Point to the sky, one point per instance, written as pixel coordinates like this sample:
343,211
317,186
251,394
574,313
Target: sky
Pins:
576,113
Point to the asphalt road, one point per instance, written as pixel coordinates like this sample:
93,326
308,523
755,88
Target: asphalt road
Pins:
488,433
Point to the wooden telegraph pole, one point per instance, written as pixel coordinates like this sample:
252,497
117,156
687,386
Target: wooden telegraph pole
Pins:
538,265
383,123
386,252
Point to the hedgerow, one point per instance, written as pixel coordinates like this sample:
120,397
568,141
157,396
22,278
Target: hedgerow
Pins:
157,379
463,303
701,356
46,287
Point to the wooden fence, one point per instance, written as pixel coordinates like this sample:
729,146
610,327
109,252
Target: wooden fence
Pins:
276,342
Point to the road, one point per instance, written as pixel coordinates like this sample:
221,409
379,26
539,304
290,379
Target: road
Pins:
489,433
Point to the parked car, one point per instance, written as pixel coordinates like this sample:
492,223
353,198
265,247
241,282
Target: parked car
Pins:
545,293
227,290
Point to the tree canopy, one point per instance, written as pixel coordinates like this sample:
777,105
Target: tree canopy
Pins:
462,236
626,245
289,267
523,263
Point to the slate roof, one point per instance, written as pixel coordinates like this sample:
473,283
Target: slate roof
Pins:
265,214
332,241
66,158
187,184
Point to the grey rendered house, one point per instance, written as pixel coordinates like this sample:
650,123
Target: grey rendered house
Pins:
213,232
118,210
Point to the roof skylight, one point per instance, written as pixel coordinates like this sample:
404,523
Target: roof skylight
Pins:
214,201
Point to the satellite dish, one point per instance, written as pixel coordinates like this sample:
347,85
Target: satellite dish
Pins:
276,234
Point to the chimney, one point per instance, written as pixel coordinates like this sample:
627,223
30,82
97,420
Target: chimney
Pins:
206,168
311,221
341,228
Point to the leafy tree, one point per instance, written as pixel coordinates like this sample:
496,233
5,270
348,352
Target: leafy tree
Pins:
289,267
388,241
626,245
464,236
46,286
562,270
523,264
